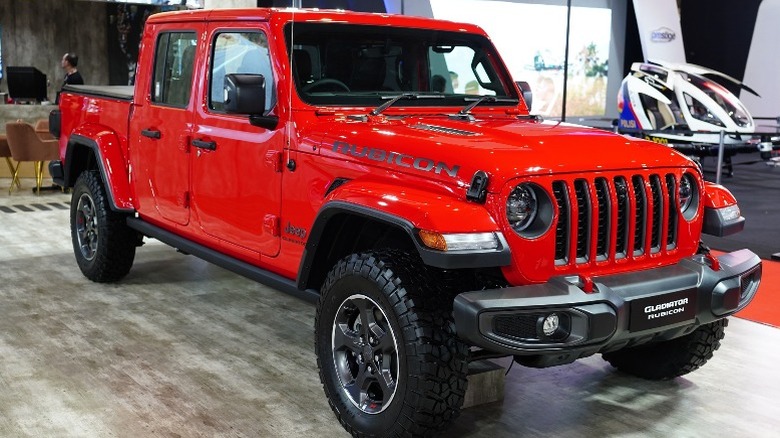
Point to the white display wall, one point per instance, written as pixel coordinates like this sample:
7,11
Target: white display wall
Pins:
531,37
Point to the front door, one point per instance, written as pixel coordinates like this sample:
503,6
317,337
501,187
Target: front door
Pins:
237,176
161,126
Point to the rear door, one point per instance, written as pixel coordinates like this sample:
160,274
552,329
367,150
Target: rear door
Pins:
237,174
161,124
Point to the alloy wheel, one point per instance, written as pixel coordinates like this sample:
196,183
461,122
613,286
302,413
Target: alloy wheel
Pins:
365,354
87,227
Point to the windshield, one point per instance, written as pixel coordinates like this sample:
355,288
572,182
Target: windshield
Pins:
721,96
358,65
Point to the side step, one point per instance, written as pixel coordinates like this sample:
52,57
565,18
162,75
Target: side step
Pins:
252,272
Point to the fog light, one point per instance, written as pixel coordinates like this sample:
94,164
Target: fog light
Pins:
553,326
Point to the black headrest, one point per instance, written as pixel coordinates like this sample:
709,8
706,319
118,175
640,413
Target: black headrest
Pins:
302,65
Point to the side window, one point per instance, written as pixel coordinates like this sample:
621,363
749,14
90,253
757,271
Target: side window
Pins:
173,66
699,111
239,52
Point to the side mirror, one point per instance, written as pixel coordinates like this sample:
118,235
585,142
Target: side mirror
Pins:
528,96
245,94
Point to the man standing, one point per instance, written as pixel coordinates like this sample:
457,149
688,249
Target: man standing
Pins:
72,75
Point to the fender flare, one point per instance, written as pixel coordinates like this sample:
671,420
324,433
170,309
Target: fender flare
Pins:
105,145
717,196
414,211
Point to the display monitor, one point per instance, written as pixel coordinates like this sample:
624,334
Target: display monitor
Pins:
26,83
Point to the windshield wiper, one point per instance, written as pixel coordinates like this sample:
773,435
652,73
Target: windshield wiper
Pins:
406,96
467,111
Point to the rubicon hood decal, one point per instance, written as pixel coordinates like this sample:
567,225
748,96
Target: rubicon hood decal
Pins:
395,158
504,148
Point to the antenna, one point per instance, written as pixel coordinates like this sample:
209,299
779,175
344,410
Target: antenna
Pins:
294,4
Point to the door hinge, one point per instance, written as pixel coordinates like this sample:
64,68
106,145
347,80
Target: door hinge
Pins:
183,199
274,159
271,225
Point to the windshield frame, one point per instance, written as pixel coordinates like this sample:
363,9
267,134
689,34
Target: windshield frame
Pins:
426,38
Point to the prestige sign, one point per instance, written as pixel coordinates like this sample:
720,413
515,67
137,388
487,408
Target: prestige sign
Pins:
661,310
663,35
659,30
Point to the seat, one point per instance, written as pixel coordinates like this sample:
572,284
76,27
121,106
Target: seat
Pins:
42,129
666,115
302,67
369,74
25,145
438,84
5,152
179,83
656,119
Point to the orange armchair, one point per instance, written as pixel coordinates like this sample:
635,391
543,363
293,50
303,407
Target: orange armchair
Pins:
5,152
42,129
26,145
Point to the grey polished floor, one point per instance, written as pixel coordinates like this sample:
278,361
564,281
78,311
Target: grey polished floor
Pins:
182,348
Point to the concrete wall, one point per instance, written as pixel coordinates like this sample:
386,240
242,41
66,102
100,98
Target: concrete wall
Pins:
39,32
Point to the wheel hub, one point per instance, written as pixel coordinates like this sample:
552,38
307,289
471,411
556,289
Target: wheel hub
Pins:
86,227
365,354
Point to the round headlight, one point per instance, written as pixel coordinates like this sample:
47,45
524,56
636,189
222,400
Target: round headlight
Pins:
521,207
686,192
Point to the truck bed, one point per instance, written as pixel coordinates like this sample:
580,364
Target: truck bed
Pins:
121,92
89,110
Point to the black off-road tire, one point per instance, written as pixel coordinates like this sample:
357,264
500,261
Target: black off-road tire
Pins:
432,363
670,359
103,244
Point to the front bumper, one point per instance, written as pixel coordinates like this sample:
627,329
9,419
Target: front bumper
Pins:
622,310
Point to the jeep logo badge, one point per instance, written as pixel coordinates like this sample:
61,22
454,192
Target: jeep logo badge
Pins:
294,231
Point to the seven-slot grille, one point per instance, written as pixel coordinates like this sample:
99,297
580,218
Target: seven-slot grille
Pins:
612,217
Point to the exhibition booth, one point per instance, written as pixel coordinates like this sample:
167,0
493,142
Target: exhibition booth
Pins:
389,218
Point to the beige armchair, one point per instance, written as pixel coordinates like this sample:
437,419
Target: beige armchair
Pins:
5,152
26,145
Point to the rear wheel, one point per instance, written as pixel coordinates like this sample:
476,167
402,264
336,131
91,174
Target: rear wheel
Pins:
389,360
670,359
103,244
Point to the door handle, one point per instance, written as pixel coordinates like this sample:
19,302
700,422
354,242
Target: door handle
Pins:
151,133
204,144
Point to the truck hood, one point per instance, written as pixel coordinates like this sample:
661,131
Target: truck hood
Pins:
505,148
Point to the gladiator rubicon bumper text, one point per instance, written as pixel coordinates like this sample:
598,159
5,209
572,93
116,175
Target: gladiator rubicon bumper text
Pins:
622,310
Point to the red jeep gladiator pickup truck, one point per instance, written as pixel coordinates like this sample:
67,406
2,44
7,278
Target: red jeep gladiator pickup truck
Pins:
327,154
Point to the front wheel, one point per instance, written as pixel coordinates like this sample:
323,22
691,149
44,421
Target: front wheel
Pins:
103,244
388,357
673,358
